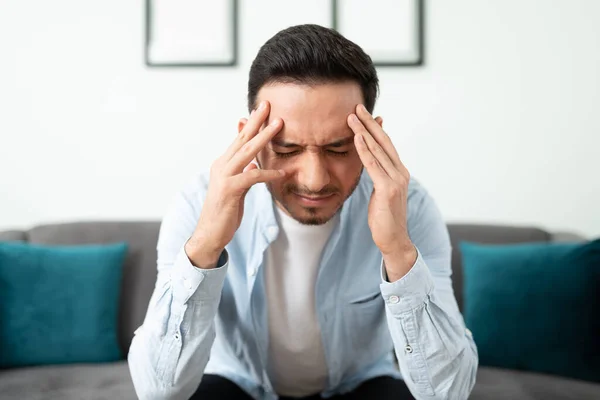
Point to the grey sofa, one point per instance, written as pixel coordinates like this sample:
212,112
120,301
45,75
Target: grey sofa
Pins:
112,381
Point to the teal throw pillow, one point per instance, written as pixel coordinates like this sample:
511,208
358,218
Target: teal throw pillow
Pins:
535,306
59,304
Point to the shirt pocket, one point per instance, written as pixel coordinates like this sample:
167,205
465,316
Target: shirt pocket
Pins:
366,323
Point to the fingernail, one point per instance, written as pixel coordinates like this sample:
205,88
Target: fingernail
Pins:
274,122
281,172
261,106
354,118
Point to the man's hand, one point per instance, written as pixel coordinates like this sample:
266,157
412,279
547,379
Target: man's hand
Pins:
387,207
231,176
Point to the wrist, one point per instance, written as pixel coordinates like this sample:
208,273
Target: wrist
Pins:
201,255
400,261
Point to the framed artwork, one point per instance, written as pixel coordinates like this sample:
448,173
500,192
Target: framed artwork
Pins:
390,31
191,33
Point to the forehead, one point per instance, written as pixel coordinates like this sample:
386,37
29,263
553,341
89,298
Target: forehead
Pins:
313,115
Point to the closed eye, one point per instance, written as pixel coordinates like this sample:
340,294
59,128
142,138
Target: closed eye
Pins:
338,153
287,154
293,153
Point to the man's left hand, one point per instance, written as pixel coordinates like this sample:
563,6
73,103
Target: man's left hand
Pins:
387,207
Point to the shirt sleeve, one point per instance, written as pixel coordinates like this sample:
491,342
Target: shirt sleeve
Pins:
170,350
436,353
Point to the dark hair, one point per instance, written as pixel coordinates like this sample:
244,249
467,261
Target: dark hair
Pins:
312,54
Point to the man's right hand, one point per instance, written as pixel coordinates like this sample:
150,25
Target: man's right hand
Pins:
231,176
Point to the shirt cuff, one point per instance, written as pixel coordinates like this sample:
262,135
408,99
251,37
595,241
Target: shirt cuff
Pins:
196,284
410,291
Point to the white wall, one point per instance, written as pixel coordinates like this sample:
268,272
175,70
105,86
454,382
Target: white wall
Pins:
502,124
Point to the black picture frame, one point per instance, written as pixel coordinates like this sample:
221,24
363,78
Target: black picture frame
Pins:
217,63
420,35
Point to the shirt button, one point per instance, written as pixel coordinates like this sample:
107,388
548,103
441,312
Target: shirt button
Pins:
408,349
177,336
272,231
394,299
252,272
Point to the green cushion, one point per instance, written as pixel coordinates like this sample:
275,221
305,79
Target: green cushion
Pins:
59,304
535,306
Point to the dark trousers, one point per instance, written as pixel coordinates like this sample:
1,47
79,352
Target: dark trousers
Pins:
215,387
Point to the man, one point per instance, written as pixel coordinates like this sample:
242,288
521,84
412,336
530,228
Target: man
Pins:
308,255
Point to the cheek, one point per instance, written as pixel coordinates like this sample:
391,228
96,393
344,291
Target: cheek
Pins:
346,171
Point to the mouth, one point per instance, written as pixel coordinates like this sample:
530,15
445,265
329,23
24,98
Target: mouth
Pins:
314,201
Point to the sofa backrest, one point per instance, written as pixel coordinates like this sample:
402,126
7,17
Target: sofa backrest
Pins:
139,274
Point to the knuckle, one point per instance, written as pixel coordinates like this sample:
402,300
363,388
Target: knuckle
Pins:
246,148
403,179
393,191
254,174
243,135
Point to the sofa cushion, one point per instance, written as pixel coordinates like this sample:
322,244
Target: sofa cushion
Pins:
59,304
535,306
139,270
485,234
68,382
503,384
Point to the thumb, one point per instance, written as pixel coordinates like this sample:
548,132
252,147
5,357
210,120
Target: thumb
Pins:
248,167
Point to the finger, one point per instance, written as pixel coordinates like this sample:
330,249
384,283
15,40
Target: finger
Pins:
250,130
372,146
250,149
374,170
250,167
378,133
249,178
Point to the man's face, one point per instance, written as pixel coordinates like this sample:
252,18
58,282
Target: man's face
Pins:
315,148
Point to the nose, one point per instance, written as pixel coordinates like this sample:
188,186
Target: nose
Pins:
313,174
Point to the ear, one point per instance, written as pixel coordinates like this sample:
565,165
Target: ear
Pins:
241,124
379,120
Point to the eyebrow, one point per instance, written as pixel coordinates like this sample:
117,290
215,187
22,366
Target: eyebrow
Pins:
338,143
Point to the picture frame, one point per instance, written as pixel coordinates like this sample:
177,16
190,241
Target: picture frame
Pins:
191,33
390,31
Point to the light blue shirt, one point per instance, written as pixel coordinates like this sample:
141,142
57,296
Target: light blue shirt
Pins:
215,321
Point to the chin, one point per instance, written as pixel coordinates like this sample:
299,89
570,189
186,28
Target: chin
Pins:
312,216
312,220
